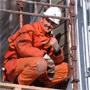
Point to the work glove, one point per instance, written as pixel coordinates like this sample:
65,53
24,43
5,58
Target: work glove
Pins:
54,44
50,67
46,57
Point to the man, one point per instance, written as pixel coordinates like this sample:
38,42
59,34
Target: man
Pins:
34,53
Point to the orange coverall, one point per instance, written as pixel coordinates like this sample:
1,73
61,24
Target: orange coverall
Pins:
26,49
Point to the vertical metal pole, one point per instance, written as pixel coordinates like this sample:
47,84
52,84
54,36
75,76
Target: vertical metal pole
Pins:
86,42
73,44
4,4
35,8
50,2
68,41
20,15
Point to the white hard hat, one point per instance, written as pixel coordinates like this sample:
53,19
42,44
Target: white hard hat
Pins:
54,11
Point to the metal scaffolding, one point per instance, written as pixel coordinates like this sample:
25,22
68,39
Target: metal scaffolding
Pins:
68,21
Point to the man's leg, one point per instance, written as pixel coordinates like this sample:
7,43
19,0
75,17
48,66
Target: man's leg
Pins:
28,69
61,74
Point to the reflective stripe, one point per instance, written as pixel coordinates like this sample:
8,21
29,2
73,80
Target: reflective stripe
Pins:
56,67
44,43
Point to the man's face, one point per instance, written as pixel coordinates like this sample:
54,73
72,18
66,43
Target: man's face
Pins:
48,24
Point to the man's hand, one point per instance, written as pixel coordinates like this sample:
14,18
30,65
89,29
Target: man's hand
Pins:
50,67
54,44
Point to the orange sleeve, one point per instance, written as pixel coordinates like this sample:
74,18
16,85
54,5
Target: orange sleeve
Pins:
57,59
24,46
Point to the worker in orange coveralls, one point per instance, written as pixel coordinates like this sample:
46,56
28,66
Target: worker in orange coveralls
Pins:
34,53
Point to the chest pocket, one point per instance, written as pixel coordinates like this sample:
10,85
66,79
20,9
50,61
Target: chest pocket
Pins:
42,42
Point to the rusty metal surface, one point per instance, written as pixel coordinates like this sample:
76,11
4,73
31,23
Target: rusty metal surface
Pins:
21,5
68,45
4,4
32,14
35,8
42,3
73,46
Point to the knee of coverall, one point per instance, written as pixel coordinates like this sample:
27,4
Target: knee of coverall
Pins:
40,65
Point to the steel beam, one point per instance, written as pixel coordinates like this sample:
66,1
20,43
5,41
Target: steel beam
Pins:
42,3
33,14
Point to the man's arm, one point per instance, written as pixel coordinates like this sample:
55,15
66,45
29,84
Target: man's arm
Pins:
57,54
24,45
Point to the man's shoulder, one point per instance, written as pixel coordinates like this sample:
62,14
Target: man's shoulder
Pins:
24,29
32,27
27,27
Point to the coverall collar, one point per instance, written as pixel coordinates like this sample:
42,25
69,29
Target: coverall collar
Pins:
41,28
